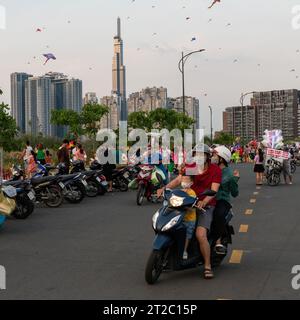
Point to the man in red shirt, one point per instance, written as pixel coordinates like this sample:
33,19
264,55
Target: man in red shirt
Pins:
209,179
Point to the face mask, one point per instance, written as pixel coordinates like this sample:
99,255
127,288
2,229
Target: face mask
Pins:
186,185
215,160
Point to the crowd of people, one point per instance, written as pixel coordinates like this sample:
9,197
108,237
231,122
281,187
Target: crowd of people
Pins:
33,156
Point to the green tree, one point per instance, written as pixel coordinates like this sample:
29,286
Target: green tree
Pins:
8,127
67,118
85,122
224,139
91,116
160,119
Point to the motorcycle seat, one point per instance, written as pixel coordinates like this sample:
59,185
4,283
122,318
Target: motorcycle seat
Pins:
13,183
37,181
68,176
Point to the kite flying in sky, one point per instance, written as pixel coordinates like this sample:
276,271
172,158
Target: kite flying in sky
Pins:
215,2
49,56
38,30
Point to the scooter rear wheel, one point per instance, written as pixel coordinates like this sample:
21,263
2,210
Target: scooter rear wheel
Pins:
154,266
274,179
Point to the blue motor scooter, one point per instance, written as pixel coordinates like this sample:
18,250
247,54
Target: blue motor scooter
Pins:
168,246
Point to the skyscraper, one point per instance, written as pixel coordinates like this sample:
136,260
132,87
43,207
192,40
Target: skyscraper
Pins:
119,74
38,105
18,98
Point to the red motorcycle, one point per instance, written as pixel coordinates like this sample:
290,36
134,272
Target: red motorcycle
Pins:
148,181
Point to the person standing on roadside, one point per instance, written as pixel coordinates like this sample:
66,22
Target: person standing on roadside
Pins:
26,154
32,164
287,170
259,167
41,154
79,153
63,155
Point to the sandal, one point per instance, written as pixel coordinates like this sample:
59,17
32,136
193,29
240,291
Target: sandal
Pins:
208,274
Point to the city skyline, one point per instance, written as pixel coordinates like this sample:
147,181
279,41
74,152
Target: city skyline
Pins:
252,39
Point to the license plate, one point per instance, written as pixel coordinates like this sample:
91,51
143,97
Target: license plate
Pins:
61,185
98,179
84,183
30,195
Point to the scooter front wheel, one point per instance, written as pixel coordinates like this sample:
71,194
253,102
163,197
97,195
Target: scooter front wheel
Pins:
140,195
154,266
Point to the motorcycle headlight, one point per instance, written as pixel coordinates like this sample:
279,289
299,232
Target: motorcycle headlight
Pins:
171,224
176,201
154,219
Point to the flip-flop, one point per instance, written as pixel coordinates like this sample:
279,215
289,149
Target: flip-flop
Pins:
208,274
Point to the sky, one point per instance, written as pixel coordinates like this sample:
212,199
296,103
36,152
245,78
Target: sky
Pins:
80,33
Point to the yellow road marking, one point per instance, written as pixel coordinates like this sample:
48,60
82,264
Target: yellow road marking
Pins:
236,256
249,212
244,228
256,193
252,200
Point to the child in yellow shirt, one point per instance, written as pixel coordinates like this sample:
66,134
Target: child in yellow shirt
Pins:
190,217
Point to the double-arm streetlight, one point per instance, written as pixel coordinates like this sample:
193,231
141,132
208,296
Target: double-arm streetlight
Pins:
243,96
181,69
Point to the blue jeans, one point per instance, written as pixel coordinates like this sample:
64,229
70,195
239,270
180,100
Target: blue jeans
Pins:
190,228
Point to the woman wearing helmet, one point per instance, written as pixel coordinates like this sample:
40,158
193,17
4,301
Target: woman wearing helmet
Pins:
229,187
207,177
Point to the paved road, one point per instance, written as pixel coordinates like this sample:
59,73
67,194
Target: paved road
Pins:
98,250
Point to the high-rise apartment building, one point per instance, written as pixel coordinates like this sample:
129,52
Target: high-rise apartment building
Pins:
17,81
90,97
110,120
191,108
38,105
148,99
278,109
41,95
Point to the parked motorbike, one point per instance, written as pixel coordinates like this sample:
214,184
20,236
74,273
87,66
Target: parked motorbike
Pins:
168,246
73,187
120,176
96,182
25,198
273,173
149,180
48,190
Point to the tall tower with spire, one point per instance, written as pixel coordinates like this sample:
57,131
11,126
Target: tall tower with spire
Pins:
119,74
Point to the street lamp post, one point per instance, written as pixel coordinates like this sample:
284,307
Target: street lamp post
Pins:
211,124
243,96
181,69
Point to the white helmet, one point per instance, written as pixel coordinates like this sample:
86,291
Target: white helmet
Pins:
223,153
